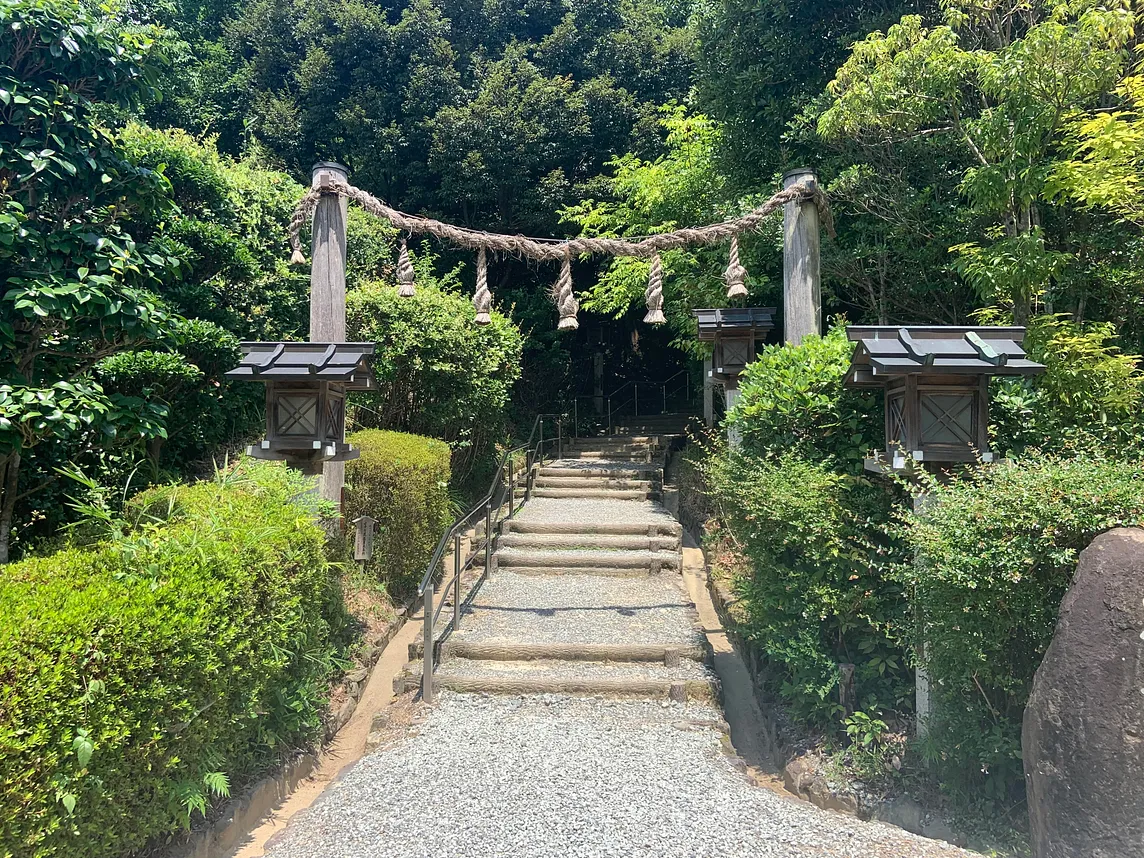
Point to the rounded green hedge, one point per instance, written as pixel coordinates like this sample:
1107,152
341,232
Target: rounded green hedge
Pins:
140,676
401,480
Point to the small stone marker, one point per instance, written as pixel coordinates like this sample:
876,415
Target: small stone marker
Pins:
363,538
1083,737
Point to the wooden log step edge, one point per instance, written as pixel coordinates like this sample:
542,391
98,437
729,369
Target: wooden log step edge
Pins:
692,689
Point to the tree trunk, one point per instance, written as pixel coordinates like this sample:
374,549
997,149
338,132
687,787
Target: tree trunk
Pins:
8,505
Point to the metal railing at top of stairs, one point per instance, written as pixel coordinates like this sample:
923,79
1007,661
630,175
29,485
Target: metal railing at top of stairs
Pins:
502,492
613,408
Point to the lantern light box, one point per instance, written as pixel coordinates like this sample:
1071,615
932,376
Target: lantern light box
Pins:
306,386
936,384
735,331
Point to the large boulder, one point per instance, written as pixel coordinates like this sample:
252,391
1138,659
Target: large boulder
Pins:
1083,737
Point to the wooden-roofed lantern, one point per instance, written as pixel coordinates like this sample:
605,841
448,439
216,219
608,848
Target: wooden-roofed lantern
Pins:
306,386
936,384
736,332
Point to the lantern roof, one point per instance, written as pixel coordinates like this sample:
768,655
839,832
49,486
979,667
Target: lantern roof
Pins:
338,362
884,352
734,321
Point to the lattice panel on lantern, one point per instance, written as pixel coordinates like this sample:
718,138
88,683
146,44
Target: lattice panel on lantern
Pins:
947,418
736,352
896,431
335,417
297,414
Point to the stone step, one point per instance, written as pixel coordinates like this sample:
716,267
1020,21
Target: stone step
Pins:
603,494
590,541
667,654
582,482
636,473
593,559
615,528
682,682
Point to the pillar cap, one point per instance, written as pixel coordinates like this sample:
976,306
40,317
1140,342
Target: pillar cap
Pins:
329,165
792,176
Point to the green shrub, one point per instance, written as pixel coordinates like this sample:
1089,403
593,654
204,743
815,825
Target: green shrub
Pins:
1090,396
402,481
791,402
144,674
438,373
996,550
816,596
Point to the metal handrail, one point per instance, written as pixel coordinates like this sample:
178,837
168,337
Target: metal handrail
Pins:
611,408
492,506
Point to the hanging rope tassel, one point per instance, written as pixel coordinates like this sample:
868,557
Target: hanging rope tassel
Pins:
736,275
482,298
566,301
654,293
405,276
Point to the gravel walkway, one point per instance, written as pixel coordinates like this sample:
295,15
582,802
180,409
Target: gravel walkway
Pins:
558,777
593,609
593,511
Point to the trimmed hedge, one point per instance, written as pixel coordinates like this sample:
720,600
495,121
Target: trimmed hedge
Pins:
140,676
401,480
996,551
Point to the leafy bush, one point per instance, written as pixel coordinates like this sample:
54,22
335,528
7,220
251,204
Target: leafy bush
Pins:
438,373
996,550
1090,396
815,597
792,402
141,674
402,481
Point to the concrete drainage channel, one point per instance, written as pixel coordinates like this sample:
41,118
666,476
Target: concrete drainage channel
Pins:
579,711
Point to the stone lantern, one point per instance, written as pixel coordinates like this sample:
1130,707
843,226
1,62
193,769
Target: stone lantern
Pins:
936,384
306,386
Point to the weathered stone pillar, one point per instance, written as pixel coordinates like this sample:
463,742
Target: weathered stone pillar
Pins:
708,395
802,276
731,392
328,289
1083,737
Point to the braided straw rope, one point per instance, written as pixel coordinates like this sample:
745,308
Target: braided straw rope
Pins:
736,275
405,275
482,297
654,293
551,250
566,301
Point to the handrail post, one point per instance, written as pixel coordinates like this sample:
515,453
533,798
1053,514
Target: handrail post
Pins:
575,418
488,538
610,432
427,636
664,398
560,438
511,486
637,398
456,582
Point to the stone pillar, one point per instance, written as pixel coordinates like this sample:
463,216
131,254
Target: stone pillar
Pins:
328,290
923,706
1083,736
802,276
731,392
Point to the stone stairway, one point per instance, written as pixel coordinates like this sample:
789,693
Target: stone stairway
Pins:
586,595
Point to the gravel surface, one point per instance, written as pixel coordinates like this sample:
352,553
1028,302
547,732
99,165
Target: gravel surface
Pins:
594,511
581,609
559,777
551,669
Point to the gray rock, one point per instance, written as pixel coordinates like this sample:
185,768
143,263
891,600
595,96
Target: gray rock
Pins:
903,812
1083,737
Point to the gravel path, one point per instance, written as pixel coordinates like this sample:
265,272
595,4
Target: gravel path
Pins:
593,511
558,777
592,609
686,670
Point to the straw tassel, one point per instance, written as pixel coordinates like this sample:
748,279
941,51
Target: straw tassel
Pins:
405,276
654,293
482,298
736,275
565,298
297,257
